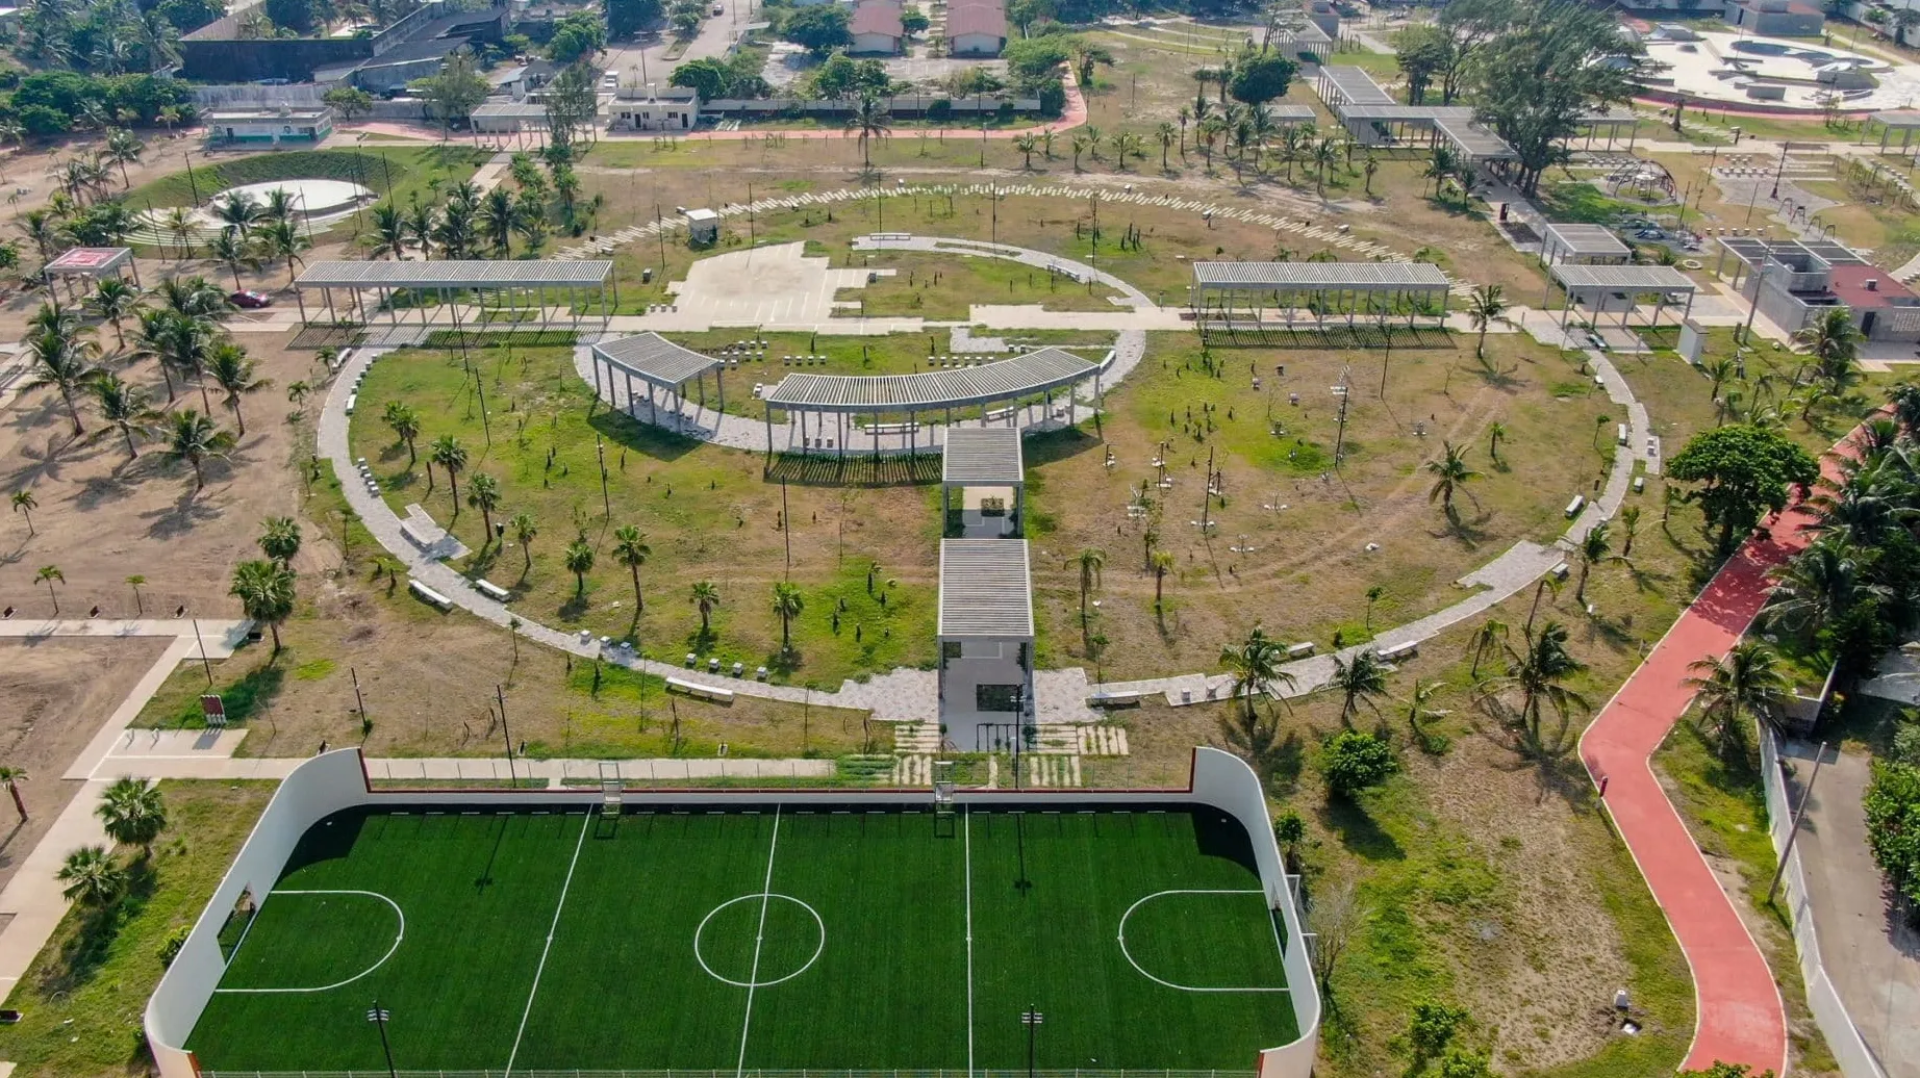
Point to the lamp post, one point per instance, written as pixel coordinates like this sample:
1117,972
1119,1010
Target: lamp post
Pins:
1781,170
1031,1018
378,1015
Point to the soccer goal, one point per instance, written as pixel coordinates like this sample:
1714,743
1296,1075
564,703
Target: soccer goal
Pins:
611,790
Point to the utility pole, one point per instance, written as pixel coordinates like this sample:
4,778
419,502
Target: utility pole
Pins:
606,499
378,1015
205,663
1806,797
1031,1018
359,703
786,526
1778,172
500,695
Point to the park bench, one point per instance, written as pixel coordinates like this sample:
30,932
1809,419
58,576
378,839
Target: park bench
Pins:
491,590
694,688
429,596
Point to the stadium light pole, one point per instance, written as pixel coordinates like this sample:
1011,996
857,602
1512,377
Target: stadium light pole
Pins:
378,1016
1031,1018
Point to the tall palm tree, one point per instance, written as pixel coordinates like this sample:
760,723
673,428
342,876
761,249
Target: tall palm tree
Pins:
64,362
1630,524
1026,144
123,148
705,597
230,369
125,407
1835,346
525,530
1491,634
115,301
869,120
1161,562
1165,133
631,550
194,297
266,593
1820,584
389,231
498,218
1126,144
92,879
43,228
238,214
1325,153
11,778
280,539
1484,307
1359,680
196,439
133,813
1092,560
179,224
1540,672
1749,681
283,239
236,251
1451,475
422,219
24,502
1595,547
451,456
48,575
483,493
579,561
406,426
787,605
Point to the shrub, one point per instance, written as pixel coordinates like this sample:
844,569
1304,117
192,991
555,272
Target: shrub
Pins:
1893,825
1353,761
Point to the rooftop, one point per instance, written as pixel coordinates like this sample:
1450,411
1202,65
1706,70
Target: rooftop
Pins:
1589,240
656,359
1624,278
1034,372
982,457
252,115
550,273
89,261
1355,86
1849,283
986,589
876,17
983,17
1276,275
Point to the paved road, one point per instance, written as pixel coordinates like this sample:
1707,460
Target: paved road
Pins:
645,61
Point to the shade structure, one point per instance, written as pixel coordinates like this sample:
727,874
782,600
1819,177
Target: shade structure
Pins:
1606,287
542,273
1034,372
654,358
1233,295
518,286
1582,243
986,590
982,456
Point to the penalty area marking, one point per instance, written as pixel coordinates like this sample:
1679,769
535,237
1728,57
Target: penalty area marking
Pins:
1128,955
398,936
755,982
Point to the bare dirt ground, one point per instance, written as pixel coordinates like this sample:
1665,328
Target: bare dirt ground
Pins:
58,692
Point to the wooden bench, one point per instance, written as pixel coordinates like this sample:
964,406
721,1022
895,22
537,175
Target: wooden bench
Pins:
491,590
429,596
705,692
893,428
1130,698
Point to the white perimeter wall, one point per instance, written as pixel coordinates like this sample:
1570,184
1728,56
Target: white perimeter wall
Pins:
337,780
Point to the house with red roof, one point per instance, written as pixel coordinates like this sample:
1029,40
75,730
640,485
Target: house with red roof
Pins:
876,27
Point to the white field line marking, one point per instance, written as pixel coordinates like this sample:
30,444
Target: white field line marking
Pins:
544,951
397,938
1128,955
967,820
759,936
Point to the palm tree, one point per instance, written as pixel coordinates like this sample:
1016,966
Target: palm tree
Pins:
1162,563
92,879
1495,431
1367,169
1488,637
1835,346
1359,680
24,502
136,582
421,221
1484,307
114,300
1748,681
1092,560
1126,144
1595,547
283,239
123,147
1165,134
1419,714
525,530
1325,153
232,371
1046,144
266,593
1820,584
787,605
1255,664
235,250
125,407
1081,142
63,361
133,813
705,597
47,575
1630,523
579,561
195,438
1209,132
179,223
1440,167
451,456
483,493
498,218
406,425
11,778
631,550
280,539
1451,474
238,214
871,120
389,231
1539,673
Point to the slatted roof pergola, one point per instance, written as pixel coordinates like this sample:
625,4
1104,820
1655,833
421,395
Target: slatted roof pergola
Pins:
1006,382
1600,285
660,364
982,457
450,281
1569,242
1227,292
986,590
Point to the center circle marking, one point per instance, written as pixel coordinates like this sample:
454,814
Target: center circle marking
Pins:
804,966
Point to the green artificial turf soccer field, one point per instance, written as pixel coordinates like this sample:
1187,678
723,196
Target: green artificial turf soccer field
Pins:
664,953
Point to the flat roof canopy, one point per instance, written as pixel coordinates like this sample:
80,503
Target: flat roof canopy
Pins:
1578,278
1755,252
1475,141
545,273
986,589
1897,120
655,359
1593,241
1284,276
510,110
89,261
1034,372
982,457
1354,86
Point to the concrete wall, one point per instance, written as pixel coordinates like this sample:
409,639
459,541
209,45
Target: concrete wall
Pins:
337,780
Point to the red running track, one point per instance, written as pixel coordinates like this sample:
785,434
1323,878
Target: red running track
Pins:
1740,1018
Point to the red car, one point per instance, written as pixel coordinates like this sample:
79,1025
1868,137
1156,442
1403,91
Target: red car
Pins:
252,301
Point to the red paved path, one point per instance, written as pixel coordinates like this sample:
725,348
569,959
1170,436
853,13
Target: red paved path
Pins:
1740,1017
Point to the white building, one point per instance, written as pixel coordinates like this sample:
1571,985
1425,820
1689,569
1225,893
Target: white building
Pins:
876,27
976,27
304,125
655,108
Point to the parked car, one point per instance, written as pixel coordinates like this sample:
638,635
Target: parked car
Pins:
250,300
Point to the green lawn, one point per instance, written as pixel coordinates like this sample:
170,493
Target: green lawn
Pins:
870,939
393,172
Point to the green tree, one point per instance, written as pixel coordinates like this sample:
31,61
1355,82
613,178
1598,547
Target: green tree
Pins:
705,597
626,18
1421,51
196,439
1749,682
787,605
1483,310
1352,761
1540,74
25,503
819,29
389,231
579,562
280,540
266,593
870,120
1741,472
63,360
92,878
1539,672
49,575
451,456
631,550
1431,1029
525,531
125,407
405,422
483,493
231,370
456,91
348,101
133,813
1255,664
115,301
1594,547
707,77
1359,680
1091,560
1450,475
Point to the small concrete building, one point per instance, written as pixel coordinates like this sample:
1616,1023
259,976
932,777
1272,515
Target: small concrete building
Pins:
1775,18
876,27
1796,282
1323,14
986,644
703,227
302,125
984,467
655,108
976,27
